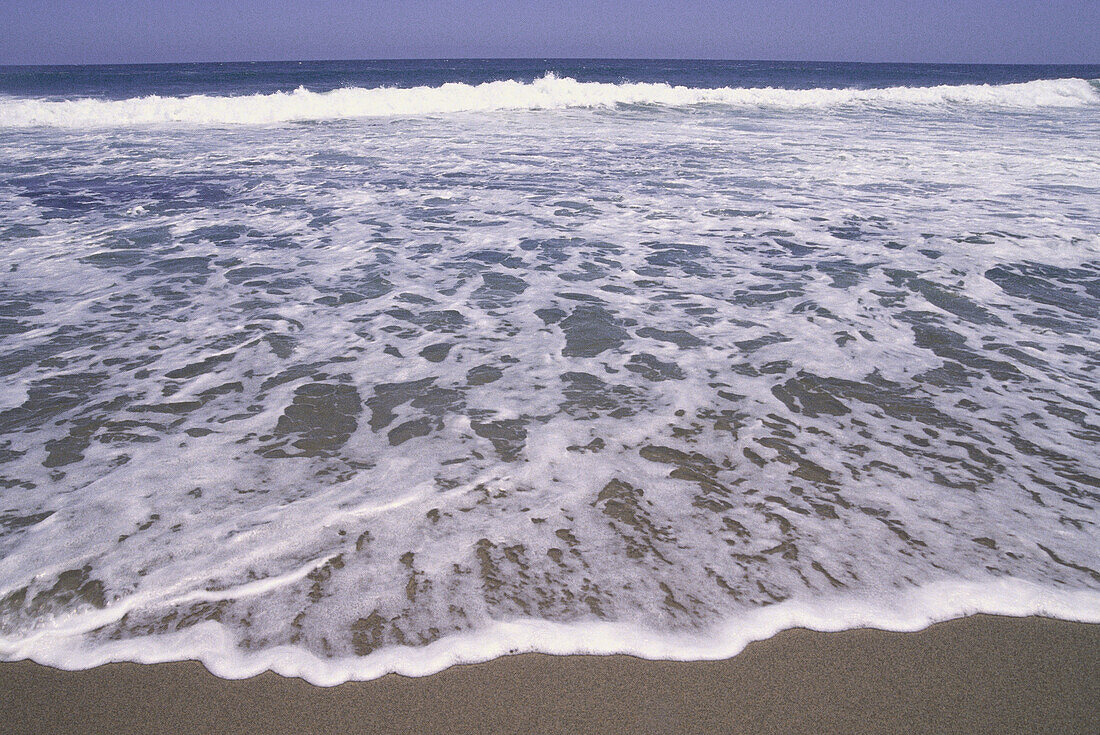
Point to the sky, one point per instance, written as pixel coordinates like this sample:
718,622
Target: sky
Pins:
143,31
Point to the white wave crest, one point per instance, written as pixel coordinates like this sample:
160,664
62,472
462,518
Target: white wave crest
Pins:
548,93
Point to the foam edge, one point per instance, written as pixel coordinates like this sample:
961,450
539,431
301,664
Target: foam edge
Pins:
909,611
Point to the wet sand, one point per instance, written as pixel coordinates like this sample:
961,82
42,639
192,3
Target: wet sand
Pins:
980,674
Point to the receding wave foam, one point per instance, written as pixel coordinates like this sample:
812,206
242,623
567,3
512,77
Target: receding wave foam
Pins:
209,642
548,93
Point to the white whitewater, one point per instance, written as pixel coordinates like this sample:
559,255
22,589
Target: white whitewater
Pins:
630,368
547,93
909,611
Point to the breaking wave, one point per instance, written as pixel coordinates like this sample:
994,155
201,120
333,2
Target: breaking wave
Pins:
547,93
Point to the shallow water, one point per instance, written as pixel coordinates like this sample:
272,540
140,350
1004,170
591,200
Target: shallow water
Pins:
318,394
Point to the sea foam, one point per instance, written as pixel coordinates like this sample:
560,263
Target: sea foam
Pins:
338,400
908,611
547,93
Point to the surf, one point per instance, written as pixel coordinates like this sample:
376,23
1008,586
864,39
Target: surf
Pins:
549,92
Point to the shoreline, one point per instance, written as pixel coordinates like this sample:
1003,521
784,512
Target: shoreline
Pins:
984,673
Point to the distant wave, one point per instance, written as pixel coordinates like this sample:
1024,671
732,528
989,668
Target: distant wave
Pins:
548,93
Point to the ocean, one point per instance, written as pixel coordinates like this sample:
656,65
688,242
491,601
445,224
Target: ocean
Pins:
345,368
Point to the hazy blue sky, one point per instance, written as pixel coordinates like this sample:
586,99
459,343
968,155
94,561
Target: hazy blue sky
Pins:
107,31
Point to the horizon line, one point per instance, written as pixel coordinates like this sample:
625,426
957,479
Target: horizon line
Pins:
6,65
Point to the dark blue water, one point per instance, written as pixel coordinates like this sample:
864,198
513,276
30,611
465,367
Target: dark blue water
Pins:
120,82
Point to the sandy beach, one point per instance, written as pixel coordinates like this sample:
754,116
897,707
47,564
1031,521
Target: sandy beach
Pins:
979,674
